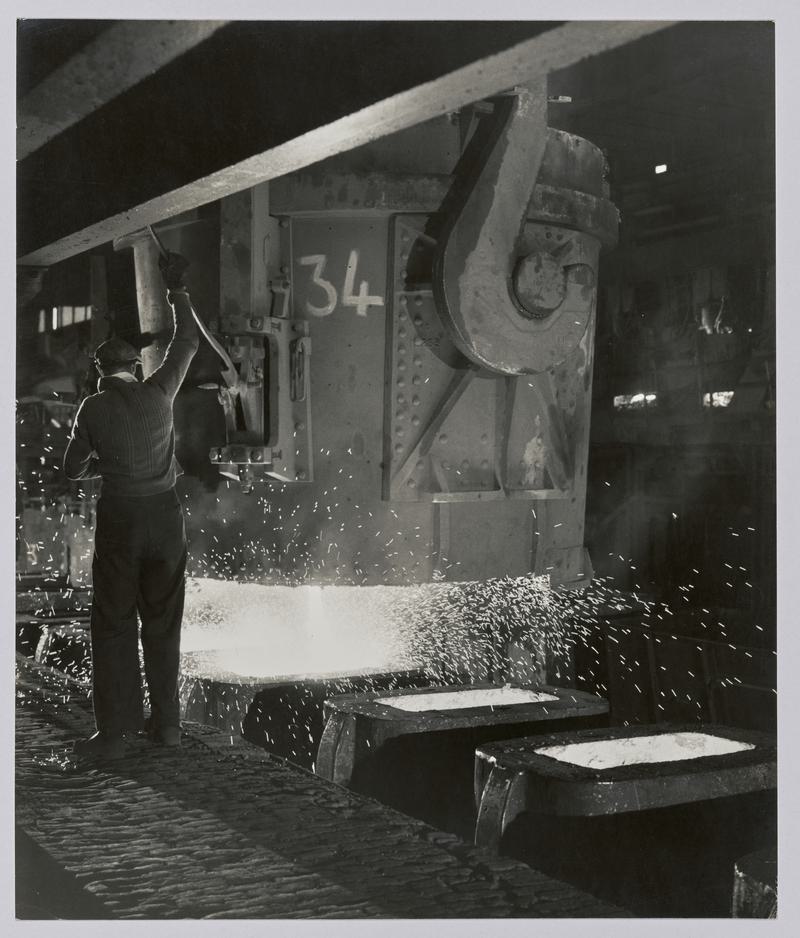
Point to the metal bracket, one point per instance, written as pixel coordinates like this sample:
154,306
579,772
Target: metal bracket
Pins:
267,414
457,432
514,304
267,409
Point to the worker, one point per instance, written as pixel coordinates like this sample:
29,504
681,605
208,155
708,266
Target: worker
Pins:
124,434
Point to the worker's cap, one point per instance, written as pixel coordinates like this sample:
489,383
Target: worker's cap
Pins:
116,352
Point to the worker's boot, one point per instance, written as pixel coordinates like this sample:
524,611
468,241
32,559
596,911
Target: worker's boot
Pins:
168,735
106,746
162,735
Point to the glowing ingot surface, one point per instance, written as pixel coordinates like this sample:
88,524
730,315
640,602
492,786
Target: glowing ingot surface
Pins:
462,699
664,747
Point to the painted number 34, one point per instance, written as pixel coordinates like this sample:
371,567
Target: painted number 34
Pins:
361,300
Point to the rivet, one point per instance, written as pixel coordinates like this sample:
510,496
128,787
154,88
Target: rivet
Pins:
301,473
442,437
401,366
418,340
411,484
415,400
418,320
284,223
418,300
415,420
416,380
402,332
465,464
485,464
401,349
484,438
420,464
401,382
401,398
445,465
398,447
417,361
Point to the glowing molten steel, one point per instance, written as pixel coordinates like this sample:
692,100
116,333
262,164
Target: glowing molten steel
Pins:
664,747
462,699
254,630
249,630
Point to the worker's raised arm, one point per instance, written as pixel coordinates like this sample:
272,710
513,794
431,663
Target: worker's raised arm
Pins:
185,339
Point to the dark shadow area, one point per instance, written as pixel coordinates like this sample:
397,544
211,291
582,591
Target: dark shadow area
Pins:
45,890
287,719
429,776
668,862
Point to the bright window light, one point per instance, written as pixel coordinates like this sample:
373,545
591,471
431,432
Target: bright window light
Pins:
66,315
88,312
42,320
635,401
55,317
80,313
718,399
661,168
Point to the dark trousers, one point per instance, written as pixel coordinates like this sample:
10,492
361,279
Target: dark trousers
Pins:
138,566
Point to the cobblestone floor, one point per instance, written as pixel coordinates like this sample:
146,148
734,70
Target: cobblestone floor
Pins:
219,829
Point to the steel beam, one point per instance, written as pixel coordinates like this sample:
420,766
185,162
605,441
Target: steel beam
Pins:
523,62
115,61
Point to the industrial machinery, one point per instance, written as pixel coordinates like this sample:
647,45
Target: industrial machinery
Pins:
404,358
394,390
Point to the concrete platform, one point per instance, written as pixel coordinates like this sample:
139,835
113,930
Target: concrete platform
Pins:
219,829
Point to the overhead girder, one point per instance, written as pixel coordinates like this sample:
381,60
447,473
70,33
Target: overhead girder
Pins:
257,101
119,58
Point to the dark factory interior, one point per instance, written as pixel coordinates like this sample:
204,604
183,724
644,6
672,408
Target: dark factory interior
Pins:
472,627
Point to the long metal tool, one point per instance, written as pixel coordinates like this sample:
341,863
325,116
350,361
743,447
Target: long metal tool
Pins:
230,374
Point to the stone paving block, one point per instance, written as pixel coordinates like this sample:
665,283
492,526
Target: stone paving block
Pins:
215,830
